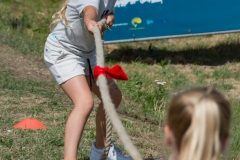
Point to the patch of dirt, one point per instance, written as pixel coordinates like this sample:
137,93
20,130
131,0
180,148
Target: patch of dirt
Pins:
25,67
187,70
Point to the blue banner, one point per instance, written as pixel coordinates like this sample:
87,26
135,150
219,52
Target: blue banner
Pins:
137,20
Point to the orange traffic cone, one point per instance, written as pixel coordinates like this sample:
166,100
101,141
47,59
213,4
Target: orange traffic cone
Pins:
30,123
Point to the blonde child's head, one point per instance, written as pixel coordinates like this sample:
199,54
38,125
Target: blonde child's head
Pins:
198,124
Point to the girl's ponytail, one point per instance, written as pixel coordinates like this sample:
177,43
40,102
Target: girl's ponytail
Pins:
201,140
60,16
199,120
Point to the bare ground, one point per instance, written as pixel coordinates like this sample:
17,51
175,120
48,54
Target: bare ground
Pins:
26,68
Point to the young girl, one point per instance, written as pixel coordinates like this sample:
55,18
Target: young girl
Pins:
198,124
69,54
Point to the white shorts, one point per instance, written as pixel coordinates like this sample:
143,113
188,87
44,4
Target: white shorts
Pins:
63,64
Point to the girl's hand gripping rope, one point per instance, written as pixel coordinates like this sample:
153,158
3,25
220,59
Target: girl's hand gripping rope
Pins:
89,24
106,23
109,21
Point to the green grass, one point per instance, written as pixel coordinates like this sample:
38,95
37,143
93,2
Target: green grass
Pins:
25,98
181,63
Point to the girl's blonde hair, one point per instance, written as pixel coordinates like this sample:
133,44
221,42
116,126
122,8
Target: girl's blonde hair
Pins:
199,120
60,16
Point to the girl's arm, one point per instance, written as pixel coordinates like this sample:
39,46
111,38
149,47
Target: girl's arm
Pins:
90,16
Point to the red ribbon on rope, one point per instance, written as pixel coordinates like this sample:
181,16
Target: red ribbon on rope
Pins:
116,72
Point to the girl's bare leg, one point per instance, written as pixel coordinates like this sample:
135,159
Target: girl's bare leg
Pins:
116,96
78,91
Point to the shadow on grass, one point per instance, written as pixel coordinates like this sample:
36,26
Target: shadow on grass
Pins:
217,55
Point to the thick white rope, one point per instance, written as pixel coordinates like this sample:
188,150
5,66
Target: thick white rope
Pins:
107,102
